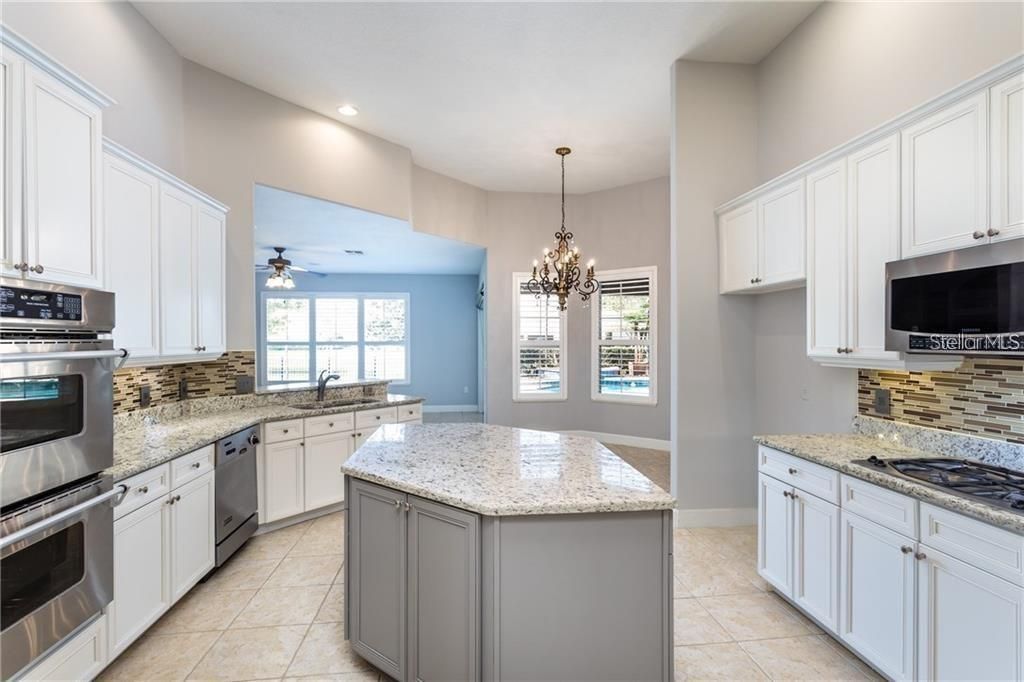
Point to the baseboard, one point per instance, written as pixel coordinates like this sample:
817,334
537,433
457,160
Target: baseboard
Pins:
620,439
715,518
298,518
450,408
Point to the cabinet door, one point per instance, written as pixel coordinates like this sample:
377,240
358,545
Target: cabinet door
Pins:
826,261
210,269
11,70
876,587
324,482
970,623
737,248
1007,132
131,218
193,541
142,582
63,230
283,482
873,239
177,274
377,576
444,592
781,235
816,558
945,178
774,533
362,435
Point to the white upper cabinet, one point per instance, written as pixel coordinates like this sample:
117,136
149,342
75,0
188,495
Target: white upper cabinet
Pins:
826,261
1007,156
11,70
780,237
945,178
209,261
737,248
177,278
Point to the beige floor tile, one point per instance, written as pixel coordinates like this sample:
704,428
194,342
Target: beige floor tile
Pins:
715,662
333,608
282,606
276,544
679,590
325,651
161,657
692,624
754,616
358,676
865,669
306,570
319,542
203,609
256,653
706,577
801,658
242,572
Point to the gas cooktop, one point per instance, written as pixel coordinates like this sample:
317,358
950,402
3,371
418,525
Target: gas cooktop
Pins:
999,487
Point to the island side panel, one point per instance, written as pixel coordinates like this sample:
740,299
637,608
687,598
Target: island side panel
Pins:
577,597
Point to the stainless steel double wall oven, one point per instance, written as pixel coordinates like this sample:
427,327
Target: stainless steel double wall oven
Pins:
56,438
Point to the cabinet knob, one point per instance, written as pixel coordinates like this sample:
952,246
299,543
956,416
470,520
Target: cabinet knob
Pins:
143,490
978,234
407,506
839,350
378,417
906,549
992,232
284,430
794,496
792,471
38,269
920,556
752,280
196,465
330,425
785,493
398,505
21,266
849,350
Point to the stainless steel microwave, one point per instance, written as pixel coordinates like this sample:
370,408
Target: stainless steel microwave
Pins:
964,302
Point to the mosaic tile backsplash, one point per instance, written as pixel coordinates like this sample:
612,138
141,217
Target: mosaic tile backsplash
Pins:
205,380
985,396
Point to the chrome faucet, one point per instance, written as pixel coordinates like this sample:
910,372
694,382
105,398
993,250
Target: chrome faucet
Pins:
321,384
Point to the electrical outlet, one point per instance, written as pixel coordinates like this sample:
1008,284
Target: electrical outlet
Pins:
882,403
244,384
145,398
183,389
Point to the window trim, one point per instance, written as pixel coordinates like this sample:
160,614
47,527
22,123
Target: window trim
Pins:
518,278
651,272
261,334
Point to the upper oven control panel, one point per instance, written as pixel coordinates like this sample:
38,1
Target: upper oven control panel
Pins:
40,305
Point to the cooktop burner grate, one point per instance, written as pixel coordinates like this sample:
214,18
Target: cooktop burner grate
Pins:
985,482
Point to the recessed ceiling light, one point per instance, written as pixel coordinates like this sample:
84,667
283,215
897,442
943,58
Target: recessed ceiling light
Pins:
347,110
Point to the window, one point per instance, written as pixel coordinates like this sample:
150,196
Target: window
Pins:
623,337
356,336
538,344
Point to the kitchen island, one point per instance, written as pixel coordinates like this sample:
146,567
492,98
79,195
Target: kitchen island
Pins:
486,552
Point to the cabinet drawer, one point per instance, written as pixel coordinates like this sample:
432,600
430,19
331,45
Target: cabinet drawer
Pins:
383,415
275,432
410,413
329,423
80,658
144,488
977,543
190,466
807,476
885,507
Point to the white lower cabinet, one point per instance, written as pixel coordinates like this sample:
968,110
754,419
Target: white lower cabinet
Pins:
192,534
282,481
774,533
324,455
142,581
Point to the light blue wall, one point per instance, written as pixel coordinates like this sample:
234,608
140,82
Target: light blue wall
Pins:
443,330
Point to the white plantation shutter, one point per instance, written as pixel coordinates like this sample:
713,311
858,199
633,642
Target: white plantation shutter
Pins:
538,345
623,335
337,337
385,333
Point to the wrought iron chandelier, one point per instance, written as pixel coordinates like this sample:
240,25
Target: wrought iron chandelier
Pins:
560,272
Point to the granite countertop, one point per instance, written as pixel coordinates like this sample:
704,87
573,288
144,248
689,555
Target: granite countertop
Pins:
504,471
839,450
155,442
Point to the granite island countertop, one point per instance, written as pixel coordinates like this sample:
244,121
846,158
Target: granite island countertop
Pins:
156,441
839,451
504,471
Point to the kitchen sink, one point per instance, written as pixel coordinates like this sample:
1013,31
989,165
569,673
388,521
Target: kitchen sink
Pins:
327,404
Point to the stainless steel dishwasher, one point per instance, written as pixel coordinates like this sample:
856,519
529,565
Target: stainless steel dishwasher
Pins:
235,481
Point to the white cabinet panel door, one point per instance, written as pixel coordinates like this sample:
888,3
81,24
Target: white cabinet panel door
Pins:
325,484
816,558
826,261
781,235
210,268
737,248
873,238
177,278
142,583
11,70
132,224
362,435
876,609
774,533
283,481
192,534
945,178
63,230
1007,131
970,623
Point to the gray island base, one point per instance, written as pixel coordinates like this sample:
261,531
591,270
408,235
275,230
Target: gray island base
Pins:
486,552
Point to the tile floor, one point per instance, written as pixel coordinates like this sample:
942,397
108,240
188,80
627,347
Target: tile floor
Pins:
275,612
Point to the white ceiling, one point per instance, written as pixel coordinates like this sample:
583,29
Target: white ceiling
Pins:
316,234
484,92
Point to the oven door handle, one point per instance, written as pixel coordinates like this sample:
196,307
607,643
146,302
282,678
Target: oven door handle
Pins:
119,490
121,353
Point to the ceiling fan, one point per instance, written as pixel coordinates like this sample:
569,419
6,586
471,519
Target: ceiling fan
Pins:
281,277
